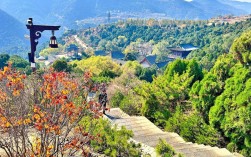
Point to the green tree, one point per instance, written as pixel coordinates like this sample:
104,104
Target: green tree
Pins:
164,149
241,48
18,62
161,50
60,65
204,93
111,141
146,74
231,113
116,100
51,51
3,60
121,90
98,65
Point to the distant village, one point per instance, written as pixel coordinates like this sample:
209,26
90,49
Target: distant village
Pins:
146,59
229,19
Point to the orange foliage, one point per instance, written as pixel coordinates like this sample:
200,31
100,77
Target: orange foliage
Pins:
55,114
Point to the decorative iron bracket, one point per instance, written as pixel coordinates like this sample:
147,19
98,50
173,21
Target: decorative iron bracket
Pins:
35,34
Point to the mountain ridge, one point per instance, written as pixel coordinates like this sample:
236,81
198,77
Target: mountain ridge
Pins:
74,14
11,34
66,13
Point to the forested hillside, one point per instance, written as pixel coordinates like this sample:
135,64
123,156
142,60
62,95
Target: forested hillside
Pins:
212,39
204,107
243,5
131,55
74,14
204,98
66,13
12,32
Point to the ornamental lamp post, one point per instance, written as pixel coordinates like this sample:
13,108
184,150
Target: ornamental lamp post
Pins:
35,34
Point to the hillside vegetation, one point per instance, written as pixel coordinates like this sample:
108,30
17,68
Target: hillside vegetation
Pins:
11,35
204,107
212,40
204,98
66,13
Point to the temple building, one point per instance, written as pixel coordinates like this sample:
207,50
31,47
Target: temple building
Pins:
182,51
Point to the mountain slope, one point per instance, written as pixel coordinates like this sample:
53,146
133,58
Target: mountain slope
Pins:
11,34
212,8
68,11
84,13
246,6
179,9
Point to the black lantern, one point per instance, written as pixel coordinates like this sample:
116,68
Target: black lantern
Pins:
35,34
53,41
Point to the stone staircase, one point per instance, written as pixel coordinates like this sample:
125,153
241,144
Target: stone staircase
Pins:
148,134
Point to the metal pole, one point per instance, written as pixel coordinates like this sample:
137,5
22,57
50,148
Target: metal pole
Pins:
35,34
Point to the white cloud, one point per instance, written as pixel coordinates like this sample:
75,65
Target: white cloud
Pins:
243,0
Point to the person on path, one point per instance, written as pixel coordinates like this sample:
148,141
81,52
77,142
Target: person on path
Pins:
102,99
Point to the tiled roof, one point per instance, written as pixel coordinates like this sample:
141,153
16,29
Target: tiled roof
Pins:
162,64
188,47
151,59
184,48
117,55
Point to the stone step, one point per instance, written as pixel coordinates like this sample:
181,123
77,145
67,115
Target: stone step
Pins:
155,136
154,142
133,120
197,148
148,134
116,113
137,125
171,140
179,144
215,152
143,129
190,150
136,128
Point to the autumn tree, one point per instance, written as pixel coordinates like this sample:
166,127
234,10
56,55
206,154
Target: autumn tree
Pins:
40,115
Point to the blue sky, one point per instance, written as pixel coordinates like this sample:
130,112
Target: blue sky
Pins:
244,0
230,0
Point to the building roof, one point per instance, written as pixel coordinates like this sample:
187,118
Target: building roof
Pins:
184,48
117,55
163,64
41,58
100,53
188,47
151,59
178,49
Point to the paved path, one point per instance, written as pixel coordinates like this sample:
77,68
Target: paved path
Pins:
148,134
80,42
